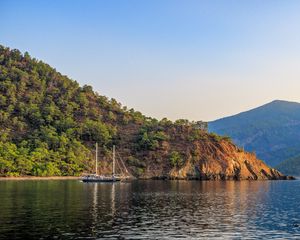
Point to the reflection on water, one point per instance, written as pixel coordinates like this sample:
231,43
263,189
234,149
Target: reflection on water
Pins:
149,209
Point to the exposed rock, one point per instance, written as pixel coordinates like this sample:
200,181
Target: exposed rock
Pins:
220,161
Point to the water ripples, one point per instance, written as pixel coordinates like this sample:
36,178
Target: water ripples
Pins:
150,210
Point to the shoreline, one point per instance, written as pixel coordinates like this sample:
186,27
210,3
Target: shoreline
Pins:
39,178
24,178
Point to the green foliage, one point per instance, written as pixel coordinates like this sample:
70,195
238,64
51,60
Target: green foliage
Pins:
166,122
227,138
196,135
139,171
15,161
150,137
219,138
111,116
182,122
175,159
96,131
137,116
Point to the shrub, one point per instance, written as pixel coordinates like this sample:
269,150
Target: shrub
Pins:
176,159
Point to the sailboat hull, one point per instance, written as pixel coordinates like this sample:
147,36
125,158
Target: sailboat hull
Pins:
100,179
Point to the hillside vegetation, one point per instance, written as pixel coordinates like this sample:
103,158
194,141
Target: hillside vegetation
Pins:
49,125
290,166
272,131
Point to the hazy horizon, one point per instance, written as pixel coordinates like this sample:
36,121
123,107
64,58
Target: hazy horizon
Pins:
176,59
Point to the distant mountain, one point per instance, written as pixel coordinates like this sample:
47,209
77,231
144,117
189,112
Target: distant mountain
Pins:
272,131
290,166
49,125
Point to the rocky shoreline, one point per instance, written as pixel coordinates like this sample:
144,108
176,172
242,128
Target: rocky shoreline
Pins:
217,178
190,178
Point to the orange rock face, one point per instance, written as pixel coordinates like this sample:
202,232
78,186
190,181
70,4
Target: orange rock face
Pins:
221,161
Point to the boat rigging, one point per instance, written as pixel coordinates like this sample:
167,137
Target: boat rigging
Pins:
108,178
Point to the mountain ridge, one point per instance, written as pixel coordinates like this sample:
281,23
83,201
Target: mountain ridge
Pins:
290,166
271,130
275,102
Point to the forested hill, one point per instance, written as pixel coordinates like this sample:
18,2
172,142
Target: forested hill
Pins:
290,166
49,125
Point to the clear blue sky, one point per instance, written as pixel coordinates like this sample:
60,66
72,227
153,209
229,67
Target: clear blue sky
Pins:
199,60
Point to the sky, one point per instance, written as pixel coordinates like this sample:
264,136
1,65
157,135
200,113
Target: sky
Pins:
197,60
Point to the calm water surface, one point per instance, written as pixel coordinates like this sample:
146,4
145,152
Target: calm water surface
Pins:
70,209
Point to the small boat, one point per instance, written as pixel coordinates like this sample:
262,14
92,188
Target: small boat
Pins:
106,178
99,178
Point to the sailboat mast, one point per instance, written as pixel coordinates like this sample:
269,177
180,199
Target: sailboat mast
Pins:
96,166
114,160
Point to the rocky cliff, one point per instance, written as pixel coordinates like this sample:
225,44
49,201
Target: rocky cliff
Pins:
215,161
223,161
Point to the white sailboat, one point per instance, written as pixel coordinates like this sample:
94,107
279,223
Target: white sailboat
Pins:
106,178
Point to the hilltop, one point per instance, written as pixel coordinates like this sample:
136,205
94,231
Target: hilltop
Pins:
49,125
272,131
